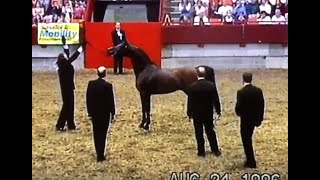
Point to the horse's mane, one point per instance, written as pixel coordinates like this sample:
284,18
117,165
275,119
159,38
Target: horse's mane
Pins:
143,54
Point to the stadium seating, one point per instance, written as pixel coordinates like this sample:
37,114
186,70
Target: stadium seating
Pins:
170,8
58,11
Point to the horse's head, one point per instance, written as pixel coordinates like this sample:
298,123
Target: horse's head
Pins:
139,58
120,48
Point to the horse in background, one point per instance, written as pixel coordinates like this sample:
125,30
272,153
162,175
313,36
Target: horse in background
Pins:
152,80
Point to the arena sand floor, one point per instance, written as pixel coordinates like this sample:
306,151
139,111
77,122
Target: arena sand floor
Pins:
169,147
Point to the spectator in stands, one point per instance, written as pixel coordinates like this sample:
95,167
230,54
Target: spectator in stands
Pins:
56,8
273,2
213,7
184,8
79,11
252,9
54,18
286,17
64,19
205,3
241,18
54,1
83,2
285,9
264,18
228,2
46,5
32,14
224,8
200,12
285,5
37,19
265,6
41,2
277,6
48,19
217,2
228,19
67,10
167,21
240,10
278,18
83,6
38,10
34,3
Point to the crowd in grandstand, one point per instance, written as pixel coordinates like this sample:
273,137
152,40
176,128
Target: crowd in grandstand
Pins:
234,11
58,11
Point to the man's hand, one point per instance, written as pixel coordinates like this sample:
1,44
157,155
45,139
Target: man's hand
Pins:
217,116
63,39
80,49
189,114
112,119
257,124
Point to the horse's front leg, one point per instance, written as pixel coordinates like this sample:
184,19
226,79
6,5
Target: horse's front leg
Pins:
143,106
147,112
188,105
189,114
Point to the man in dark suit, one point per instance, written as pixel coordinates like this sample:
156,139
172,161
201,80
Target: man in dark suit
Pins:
203,98
66,79
118,36
250,108
101,109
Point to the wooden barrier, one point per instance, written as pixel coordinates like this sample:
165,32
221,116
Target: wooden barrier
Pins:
265,34
34,35
225,34
152,36
202,34
235,34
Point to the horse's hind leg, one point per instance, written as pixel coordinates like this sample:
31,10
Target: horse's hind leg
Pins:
148,109
144,120
188,104
143,105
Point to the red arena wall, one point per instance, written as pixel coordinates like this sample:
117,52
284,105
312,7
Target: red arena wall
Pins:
98,35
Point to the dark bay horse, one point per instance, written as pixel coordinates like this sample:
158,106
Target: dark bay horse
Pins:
152,80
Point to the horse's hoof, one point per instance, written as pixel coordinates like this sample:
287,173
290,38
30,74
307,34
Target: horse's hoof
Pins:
146,128
145,131
141,126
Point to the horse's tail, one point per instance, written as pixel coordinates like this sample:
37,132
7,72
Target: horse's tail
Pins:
210,75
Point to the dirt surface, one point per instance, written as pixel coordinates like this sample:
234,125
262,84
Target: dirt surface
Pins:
169,147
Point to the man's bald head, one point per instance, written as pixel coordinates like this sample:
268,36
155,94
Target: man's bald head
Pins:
201,72
102,72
